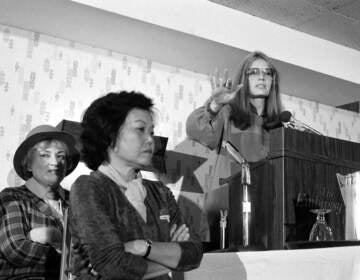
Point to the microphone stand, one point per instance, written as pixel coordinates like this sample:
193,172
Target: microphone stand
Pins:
245,183
246,204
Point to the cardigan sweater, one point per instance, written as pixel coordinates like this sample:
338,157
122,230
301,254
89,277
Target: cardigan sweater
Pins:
102,220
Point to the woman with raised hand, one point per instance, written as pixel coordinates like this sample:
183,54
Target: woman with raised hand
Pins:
128,227
243,109
240,111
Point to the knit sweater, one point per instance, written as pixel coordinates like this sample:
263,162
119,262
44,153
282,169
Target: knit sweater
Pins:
102,220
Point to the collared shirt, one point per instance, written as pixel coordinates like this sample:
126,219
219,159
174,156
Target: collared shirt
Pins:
134,190
55,202
20,258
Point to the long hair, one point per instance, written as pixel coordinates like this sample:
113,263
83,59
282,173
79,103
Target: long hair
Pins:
241,107
102,120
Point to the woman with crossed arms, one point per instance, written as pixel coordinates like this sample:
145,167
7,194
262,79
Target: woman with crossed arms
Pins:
128,227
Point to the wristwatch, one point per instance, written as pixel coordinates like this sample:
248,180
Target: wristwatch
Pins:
148,249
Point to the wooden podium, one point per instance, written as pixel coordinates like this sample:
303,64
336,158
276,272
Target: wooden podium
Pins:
298,175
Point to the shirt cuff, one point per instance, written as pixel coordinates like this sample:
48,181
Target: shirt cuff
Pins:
211,112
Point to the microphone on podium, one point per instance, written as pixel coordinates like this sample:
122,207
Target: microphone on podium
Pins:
233,151
289,121
235,154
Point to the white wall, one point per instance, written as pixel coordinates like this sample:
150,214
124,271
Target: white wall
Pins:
215,45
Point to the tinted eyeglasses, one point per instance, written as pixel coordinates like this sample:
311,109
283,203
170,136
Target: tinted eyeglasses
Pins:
256,72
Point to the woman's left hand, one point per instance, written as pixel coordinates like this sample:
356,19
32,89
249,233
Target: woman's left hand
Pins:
136,247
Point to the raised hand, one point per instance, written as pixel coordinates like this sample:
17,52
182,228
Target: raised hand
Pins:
180,233
222,92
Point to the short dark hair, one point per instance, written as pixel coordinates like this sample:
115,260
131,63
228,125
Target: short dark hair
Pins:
102,120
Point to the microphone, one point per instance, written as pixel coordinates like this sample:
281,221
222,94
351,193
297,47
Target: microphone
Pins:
289,121
235,154
285,116
233,151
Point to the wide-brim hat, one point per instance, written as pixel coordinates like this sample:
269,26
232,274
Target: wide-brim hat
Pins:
41,133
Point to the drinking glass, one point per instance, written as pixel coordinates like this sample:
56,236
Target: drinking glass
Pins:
321,231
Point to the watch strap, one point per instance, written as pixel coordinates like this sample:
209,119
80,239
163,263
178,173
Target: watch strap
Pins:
148,249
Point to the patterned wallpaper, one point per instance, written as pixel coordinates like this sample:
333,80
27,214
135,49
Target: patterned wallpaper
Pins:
44,79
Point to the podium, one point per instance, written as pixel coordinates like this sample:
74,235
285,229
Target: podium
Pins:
298,175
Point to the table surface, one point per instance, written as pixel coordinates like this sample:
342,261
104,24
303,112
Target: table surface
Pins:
335,263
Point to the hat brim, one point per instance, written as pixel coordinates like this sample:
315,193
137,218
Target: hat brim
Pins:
74,155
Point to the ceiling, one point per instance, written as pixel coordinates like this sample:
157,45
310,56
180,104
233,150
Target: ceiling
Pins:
333,20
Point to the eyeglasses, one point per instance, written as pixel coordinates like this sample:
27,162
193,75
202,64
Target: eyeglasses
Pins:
256,72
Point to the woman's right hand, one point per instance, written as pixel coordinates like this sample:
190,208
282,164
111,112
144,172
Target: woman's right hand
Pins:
221,91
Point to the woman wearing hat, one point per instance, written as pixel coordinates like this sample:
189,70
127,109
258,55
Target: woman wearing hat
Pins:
31,222
129,227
